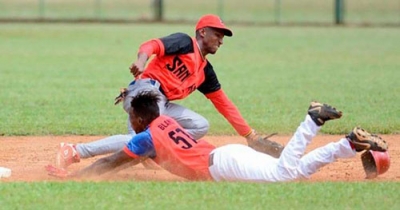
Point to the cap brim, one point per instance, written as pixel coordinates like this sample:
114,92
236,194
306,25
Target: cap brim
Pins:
226,31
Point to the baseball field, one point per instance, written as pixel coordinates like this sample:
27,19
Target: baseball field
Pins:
58,83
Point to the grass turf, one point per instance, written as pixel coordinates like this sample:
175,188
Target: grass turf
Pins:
199,195
61,79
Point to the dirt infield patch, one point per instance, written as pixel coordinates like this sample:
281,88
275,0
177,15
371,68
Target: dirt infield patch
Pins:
27,157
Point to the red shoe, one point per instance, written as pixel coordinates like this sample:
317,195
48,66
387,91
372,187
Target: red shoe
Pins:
67,155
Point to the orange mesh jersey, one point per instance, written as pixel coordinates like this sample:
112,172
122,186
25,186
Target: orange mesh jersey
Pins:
173,149
179,66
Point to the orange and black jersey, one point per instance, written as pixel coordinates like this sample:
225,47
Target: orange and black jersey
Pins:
181,69
179,66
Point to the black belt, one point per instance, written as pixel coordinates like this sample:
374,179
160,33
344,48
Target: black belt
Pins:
211,160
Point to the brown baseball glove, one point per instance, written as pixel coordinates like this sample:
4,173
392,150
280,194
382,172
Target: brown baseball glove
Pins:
121,96
264,144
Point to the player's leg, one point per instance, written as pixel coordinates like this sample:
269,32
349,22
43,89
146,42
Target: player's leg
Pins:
318,158
103,146
294,150
106,145
237,162
289,160
357,140
72,153
194,123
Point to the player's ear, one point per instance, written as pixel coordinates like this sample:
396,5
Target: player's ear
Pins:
140,120
202,32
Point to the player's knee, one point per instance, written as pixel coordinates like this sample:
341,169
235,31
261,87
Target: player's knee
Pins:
200,128
127,104
287,173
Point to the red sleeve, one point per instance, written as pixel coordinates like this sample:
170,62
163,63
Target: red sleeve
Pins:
229,111
151,47
129,153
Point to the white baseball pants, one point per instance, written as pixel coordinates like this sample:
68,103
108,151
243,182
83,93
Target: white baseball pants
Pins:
236,162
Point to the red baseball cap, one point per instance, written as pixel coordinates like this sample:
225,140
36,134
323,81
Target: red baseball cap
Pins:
213,21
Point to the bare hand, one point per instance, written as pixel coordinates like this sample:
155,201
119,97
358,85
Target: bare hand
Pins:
57,172
136,69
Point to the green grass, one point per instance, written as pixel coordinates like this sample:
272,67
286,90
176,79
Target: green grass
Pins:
256,11
58,79
61,79
199,195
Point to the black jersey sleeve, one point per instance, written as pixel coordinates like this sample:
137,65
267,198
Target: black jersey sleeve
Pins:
211,83
177,43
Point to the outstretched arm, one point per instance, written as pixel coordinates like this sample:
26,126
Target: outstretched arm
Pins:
107,164
231,113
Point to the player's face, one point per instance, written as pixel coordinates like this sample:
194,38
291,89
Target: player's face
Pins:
213,39
136,122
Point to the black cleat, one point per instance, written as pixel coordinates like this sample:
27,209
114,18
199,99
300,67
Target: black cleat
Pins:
320,113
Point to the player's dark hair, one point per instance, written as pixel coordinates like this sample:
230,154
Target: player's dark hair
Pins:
144,105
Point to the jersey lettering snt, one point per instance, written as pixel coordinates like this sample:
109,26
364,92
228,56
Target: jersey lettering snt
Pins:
179,69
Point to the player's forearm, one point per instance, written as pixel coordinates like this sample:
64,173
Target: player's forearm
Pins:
107,164
234,117
141,60
229,111
99,167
